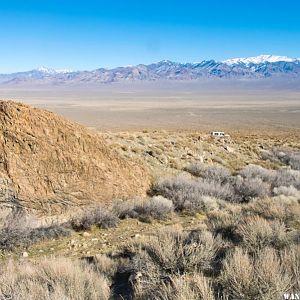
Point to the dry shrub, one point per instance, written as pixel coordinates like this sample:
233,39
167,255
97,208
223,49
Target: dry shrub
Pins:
179,252
225,222
261,277
209,173
22,230
102,264
204,204
215,189
288,191
52,279
156,259
255,171
285,156
126,209
283,209
287,177
97,216
252,182
291,263
250,188
178,189
237,275
294,161
186,287
183,190
257,233
156,207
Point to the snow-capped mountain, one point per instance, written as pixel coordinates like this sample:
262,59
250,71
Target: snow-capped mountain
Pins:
52,71
259,67
261,59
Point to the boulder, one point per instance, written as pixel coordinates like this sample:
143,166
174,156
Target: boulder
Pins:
49,164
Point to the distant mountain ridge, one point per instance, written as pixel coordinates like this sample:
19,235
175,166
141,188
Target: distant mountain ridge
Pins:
263,66
260,60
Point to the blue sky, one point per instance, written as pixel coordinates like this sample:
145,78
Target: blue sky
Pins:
90,34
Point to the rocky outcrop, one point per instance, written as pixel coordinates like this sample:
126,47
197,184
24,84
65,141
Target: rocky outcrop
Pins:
49,164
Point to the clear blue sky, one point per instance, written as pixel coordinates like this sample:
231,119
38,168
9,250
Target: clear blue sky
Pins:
90,34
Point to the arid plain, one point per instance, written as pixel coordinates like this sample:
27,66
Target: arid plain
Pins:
209,105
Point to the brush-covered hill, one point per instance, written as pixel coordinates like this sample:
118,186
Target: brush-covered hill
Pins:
49,164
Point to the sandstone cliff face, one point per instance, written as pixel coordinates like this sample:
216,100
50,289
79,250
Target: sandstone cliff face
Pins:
49,164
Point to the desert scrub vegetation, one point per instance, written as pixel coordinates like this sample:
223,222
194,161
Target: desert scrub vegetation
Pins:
186,191
172,264
257,233
21,232
144,209
246,246
55,279
285,209
159,261
95,216
200,265
287,157
210,173
191,287
263,276
217,182
258,224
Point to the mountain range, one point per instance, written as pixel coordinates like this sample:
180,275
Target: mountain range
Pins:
263,66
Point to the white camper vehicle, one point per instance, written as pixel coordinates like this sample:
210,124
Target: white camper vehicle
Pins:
218,134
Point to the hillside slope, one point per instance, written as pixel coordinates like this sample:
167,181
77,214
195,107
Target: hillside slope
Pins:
49,164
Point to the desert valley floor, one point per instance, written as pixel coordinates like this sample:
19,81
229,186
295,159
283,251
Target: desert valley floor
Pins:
170,106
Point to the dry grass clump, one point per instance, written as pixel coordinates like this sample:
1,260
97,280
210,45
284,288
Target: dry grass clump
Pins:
54,279
157,258
224,222
257,233
291,263
284,209
180,252
97,216
185,287
260,277
102,264
156,207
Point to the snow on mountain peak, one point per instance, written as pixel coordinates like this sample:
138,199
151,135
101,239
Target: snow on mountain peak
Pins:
258,60
52,71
